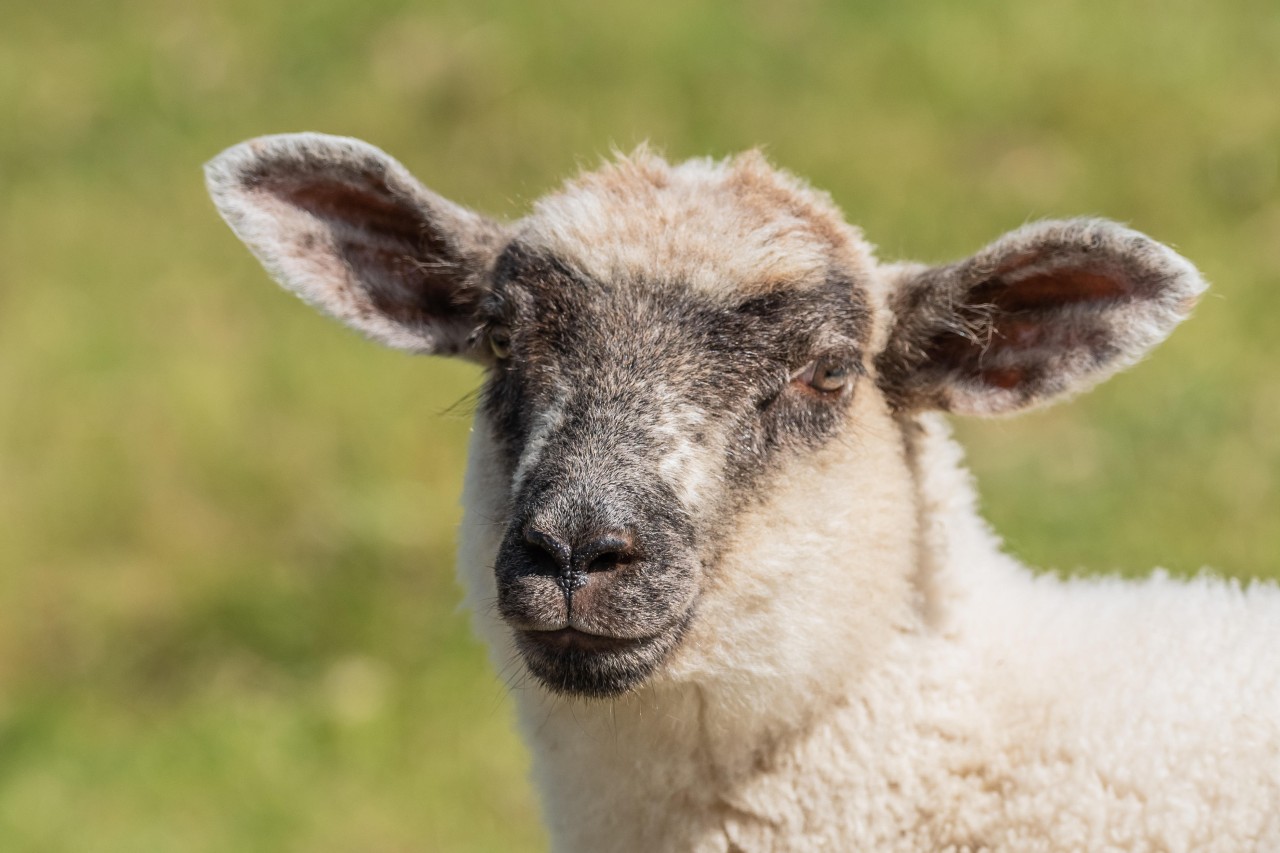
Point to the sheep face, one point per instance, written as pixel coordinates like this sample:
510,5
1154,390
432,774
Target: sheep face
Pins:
662,340
686,368
635,417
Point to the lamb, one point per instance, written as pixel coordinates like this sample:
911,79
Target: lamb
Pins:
714,512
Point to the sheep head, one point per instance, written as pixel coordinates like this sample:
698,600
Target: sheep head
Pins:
666,347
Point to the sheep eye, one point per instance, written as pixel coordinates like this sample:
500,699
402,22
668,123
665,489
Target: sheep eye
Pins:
500,342
825,375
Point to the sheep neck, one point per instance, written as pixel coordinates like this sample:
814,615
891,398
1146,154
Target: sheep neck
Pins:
737,702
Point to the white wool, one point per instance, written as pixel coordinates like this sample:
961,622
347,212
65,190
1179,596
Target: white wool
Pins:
711,224
964,705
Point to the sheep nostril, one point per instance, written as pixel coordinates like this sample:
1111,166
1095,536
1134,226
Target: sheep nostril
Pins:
549,555
605,553
606,562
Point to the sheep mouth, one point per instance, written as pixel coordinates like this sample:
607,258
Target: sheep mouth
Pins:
575,663
572,639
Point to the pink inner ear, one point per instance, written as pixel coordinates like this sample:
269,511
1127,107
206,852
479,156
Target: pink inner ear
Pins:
406,270
1009,377
1020,320
1048,289
370,208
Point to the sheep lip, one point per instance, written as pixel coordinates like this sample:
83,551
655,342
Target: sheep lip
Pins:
573,662
566,639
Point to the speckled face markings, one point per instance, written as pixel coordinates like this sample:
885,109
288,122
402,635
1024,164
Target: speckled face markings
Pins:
651,326
642,413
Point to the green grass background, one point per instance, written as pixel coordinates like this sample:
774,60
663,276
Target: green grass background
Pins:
228,618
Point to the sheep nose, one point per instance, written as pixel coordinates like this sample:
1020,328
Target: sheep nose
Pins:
595,552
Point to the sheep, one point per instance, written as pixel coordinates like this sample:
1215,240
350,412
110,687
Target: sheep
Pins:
714,512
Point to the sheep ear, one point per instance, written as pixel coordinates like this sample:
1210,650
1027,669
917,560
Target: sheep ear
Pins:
1046,311
348,229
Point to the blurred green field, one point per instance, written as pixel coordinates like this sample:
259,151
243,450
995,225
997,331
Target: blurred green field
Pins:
228,619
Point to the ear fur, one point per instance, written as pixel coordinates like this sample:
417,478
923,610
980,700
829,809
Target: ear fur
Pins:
348,229
1045,311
